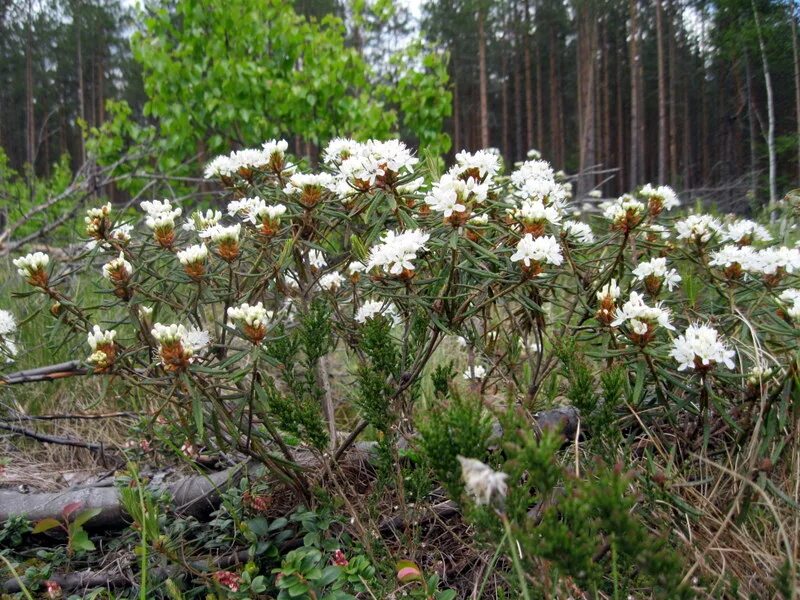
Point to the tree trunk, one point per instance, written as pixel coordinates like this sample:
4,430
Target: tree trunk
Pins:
539,101
662,96
587,34
773,187
796,57
556,132
30,117
526,58
673,102
79,66
457,145
637,104
483,82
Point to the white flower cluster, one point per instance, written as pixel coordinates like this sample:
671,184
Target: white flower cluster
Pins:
361,166
8,343
192,340
102,344
299,182
201,222
331,281
30,264
160,214
373,308
452,194
609,292
255,316
767,261
640,317
484,484
395,252
698,228
626,212
791,301
535,211
577,231
221,233
663,196
543,249
483,163
193,254
271,154
535,180
700,347
745,232
475,373
657,268
316,258
118,269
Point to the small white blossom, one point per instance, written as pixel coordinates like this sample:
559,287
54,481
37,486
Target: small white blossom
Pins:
663,196
657,268
699,228
578,231
255,316
220,233
396,251
543,249
331,281
700,346
98,337
745,231
485,162
193,254
30,264
610,291
316,259
200,221
475,373
118,269
638,315
373,308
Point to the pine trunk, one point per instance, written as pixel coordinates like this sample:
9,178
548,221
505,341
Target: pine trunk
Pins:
662,96
483,82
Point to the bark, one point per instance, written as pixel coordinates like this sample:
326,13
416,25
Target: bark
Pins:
539,102
194,495
751,126
556,131
526,61
636,172
796,60
662,95
483,81
30,125
587,41
773,187
672,92
79,68
457,145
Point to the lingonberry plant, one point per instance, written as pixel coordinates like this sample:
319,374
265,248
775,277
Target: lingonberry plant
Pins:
232,318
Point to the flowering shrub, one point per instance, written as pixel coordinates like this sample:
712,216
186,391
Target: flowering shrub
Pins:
232,318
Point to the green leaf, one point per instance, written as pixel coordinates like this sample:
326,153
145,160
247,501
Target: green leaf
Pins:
84,516
80,541
197,413
45,525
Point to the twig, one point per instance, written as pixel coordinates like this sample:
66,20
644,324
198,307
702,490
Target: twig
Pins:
51,439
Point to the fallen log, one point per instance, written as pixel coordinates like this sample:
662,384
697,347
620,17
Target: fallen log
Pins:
194,495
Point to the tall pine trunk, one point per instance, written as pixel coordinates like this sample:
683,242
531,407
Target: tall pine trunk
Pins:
526,58
773,186
796,57
636,172
662,96
483,82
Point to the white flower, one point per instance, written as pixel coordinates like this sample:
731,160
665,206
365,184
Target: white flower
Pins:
639,315
700,346
220,166
255,316
118,269
220,233
372,308
534,180
8,325
270,212
479,219
534,211
275,150
534,154
396,251
543,249
769,260
451,194
745,231
485,162
30,264
160,214
201,221
393,155
316,259
476,373
699,228
299,182
654,230
657,267
245,208
596,194
609,291
577,231
731,254
356,267
411,187
98,337
791,300
196,338
625,212
340,149
191,340
662,195
193,254
331,281
482,482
